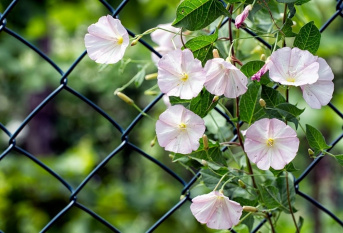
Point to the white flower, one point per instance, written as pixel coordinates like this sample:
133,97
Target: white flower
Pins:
107,40
223,78
179,74
179,130
216,210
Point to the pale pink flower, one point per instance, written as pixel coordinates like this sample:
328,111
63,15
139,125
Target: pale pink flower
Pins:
271,143
242,16
223,78
319,93
107,40
216,210
293,67
179,74
167,40
179,130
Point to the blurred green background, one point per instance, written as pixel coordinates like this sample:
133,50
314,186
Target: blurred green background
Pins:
130,192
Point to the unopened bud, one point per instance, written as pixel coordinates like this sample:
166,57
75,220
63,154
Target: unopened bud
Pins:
241,184
151,76
182,197
310,152
205,141
204,162
215,53
262,103
215,99
125,98
171,156
263,57
153,93
250,209
135,41
152,143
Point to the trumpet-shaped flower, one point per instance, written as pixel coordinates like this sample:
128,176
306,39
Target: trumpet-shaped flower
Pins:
223,78
271,143
179,74
167,40
242,16
179,130
319,93
261,72
106,40
216,210
293,67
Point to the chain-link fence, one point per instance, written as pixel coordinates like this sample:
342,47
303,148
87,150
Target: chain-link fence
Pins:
126,142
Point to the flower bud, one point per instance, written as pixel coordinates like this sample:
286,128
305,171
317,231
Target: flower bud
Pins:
250,209
215,53
152,143
135,41
151,76
182,197
310,152
263,57
153,93
262,103
205,142
171,156
241,17
241,184
215,99
204,162
125,98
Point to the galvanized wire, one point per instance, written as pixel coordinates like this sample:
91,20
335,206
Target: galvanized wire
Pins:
64,87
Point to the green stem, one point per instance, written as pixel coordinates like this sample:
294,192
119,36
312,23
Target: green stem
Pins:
289,204
221,179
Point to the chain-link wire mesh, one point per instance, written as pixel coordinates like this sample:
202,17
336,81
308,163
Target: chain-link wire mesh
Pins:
126,142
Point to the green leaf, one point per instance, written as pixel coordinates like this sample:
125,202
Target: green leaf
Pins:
286,1
177,100
211,179
251,68
315,139
339,159
285,112
289,167
300,2
197,14
287,29
308,38
300,223
275,195
271,96
248,104
202,47
139,77
202,104
292,10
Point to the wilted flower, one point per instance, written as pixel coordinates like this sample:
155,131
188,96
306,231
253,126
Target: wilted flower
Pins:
179,130
223,78
179,74
167,40
261,72
319,93
293,67
271,143
216,210
107,40
242,16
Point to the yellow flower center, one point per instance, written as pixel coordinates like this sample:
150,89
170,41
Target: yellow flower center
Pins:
120,40
182,126
270,142
184,77
290,79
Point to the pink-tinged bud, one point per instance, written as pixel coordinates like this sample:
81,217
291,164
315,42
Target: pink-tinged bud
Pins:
261,72
242,16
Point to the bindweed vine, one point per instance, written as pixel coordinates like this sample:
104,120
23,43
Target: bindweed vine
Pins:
199,71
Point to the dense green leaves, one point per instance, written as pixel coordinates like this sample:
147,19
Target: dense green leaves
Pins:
339,159
202,104
287,28
285,112
251,68
202,47
308,38
272,96
249,104
315,139
197,14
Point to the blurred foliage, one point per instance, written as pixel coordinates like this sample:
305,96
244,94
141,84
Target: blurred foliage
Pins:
71,138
